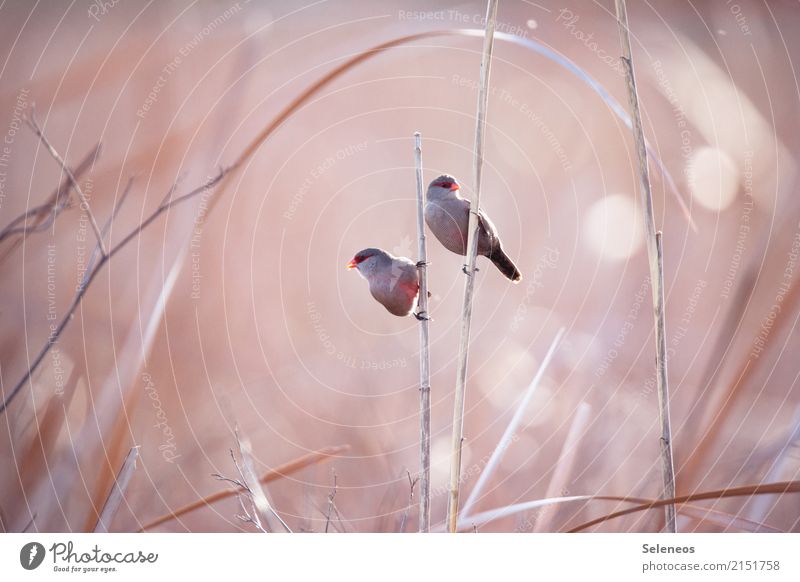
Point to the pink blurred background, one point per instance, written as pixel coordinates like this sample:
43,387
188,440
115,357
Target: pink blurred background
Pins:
236,307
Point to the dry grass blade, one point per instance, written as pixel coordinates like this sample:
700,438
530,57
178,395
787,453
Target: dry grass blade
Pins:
725,520
117,491
424,352
696,511
513,425
35,459
718,411
654,254
784,460
272,475
469,284
744,491
566,459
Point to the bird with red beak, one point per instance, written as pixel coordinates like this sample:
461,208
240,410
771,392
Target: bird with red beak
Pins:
447,215
393,281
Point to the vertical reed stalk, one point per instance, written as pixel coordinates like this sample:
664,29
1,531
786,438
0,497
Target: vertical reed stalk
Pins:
667,465
424,353
655,258
469,284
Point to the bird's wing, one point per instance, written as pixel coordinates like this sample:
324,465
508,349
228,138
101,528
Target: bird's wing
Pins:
487,227
398,291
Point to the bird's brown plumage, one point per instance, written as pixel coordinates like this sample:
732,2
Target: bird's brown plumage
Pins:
447,216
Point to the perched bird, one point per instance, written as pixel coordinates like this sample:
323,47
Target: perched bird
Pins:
447,215
393,281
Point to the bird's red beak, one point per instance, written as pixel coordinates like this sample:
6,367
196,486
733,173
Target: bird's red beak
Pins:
454,186
352,264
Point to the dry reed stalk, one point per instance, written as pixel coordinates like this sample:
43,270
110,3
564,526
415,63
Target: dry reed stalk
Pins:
424,352
272,475
117,491
469,283
667,465
513,425
655,259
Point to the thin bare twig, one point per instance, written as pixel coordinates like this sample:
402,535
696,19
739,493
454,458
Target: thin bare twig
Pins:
412,482
655,259
31,121
117,493
90,277
331,497
268,516
424,352
271,475
41,217
242,492
469,284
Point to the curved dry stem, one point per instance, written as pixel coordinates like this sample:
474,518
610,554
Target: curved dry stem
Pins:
744,491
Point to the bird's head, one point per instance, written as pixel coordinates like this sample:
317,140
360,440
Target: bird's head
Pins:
366,261
444,185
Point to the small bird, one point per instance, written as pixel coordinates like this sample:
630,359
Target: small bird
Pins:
447,215
393,281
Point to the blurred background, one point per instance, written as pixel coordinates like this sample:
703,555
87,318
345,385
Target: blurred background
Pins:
235,309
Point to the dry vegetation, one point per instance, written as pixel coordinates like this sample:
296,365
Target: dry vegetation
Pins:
181,349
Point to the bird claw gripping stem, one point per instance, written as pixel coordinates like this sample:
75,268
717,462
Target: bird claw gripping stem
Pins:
465,270
421,316
422,264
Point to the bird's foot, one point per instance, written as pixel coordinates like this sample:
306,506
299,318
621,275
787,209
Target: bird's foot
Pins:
423,264
465,270
421,316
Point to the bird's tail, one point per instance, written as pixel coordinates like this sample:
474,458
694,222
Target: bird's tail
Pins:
505,264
